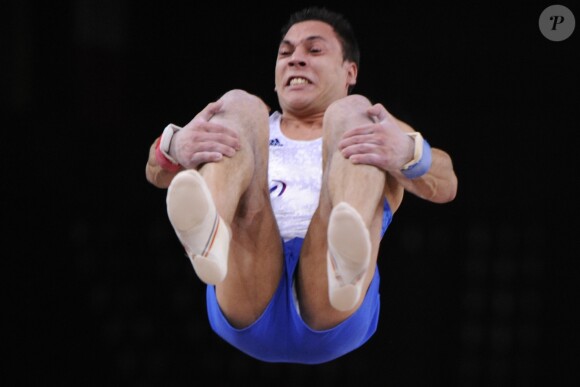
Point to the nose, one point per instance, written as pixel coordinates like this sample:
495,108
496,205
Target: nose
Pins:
297,58
297,63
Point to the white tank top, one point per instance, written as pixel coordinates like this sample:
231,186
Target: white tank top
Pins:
294,177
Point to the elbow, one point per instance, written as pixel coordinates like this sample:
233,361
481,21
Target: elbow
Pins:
447,183
439,191
450,196
150,175
448,192
154,177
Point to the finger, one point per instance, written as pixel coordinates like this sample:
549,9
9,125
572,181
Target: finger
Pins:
360,130
212,127
364,148
380,112
367,159
354,139
218,133
224,139
215,147
210,110
206,157
216,136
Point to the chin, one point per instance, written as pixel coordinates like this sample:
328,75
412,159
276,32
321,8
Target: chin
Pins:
296,102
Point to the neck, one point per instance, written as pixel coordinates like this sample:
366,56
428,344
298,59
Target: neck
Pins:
302,128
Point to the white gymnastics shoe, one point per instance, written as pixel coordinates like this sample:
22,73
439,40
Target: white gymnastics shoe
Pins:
348,258
200,229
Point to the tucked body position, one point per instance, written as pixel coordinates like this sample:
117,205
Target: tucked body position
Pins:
282,212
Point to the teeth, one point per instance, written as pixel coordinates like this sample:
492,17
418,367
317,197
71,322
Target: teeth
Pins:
298,81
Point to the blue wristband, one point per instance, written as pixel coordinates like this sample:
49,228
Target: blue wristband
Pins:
422,166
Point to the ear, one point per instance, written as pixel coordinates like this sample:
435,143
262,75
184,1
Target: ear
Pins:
352,69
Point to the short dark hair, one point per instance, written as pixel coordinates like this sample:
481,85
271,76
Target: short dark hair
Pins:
341,26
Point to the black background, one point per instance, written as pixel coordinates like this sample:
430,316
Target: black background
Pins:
480,291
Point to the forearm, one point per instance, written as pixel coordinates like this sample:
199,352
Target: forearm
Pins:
154,173
438,185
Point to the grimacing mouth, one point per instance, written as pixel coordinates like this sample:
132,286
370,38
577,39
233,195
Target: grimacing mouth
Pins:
292,81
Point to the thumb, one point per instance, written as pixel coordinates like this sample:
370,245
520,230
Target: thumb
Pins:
210,110
379,111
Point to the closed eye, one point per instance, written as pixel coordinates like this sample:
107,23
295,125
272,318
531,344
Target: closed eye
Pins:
285,49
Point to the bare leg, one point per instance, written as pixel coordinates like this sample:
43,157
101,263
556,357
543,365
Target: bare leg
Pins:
362,187
239,188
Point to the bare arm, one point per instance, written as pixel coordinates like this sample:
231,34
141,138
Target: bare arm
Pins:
156,175
438,185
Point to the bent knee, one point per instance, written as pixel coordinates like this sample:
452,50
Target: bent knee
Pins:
239,97
236,94
346,106
344,114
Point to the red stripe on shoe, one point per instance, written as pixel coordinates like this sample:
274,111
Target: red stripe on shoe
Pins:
212,236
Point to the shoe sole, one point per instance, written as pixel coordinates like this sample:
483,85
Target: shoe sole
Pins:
193,215
348,257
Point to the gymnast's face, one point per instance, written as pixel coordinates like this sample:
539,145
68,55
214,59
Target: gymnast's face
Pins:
310,70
